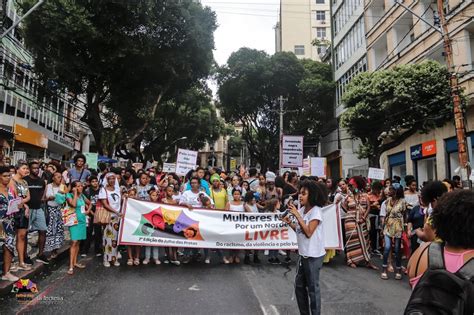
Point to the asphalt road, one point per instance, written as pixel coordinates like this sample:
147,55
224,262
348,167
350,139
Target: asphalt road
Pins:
197,288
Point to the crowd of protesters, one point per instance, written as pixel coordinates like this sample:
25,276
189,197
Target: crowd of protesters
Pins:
389,218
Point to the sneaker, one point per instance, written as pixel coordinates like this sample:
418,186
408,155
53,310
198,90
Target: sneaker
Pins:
282,252
42,259
256,260
136,261
28,261
266,252
145,261
24,267
14,268
226,261
130,262
119,256
83,255
247,260
106,264
175,262
166,261
207,261
157,262
10,277
116,264
98,255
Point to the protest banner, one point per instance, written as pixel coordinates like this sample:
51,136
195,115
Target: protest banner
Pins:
376,173
185,161
155,224
169,167
318,167
92,159
291,151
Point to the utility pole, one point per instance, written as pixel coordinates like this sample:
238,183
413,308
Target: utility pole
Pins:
458,112
281,112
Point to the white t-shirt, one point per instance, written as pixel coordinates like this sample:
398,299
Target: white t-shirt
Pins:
313,246
51,192
383,209
238,208
192,199
114,197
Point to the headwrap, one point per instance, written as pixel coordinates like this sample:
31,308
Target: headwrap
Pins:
215,177
117,185
270,177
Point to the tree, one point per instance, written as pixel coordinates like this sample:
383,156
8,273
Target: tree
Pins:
386,107
191,115
249,86
124,58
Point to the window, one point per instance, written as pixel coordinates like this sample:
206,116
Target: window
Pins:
322,50
299,50
319,1
320,32
321,15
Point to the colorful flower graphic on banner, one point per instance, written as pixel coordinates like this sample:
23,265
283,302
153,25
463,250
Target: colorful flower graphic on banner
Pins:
170,221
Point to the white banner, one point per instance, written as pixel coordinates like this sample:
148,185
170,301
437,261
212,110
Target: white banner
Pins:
185,161
156,224
376,173
318,167
169,167
292,151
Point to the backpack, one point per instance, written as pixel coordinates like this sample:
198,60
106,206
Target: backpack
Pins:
440,291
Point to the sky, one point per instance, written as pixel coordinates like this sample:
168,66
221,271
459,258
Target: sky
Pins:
243,23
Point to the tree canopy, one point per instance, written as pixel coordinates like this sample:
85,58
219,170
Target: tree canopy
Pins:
124,58
249,87
383,108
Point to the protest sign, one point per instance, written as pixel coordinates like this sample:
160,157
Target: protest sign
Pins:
292,151
376,173
318,167
155,224
92,159
169,167
185,161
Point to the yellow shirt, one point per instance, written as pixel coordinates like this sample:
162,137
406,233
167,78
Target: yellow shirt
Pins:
220,198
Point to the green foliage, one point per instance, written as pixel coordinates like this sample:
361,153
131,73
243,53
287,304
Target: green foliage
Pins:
249,86
126,56
191,115
385,107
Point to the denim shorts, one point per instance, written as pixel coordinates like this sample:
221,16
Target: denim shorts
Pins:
37,220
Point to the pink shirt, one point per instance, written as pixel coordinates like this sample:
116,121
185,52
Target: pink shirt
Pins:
452,261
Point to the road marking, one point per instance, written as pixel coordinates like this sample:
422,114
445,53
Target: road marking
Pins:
271,309
194,287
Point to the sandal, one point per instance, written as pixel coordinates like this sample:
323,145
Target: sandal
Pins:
384,275
130,262
136,261
390,268
70,271
80,266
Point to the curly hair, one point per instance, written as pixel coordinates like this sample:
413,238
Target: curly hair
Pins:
453,218
317,193
432,191
359,182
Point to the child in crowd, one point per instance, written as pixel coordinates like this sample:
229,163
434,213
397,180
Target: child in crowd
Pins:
153,195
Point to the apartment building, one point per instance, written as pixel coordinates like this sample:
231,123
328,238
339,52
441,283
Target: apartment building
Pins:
300,23
395,36
348,59
42,123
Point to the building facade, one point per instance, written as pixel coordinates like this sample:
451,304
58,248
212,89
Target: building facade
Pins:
397,36
301,22
44,123
348,59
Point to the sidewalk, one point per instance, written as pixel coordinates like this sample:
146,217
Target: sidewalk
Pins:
6,286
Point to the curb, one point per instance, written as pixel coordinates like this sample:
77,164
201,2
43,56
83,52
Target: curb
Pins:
6,286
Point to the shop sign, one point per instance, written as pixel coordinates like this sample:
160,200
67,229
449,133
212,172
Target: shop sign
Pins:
428,148
415,152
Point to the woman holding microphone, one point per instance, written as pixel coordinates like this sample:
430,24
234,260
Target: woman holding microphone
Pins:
309,232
